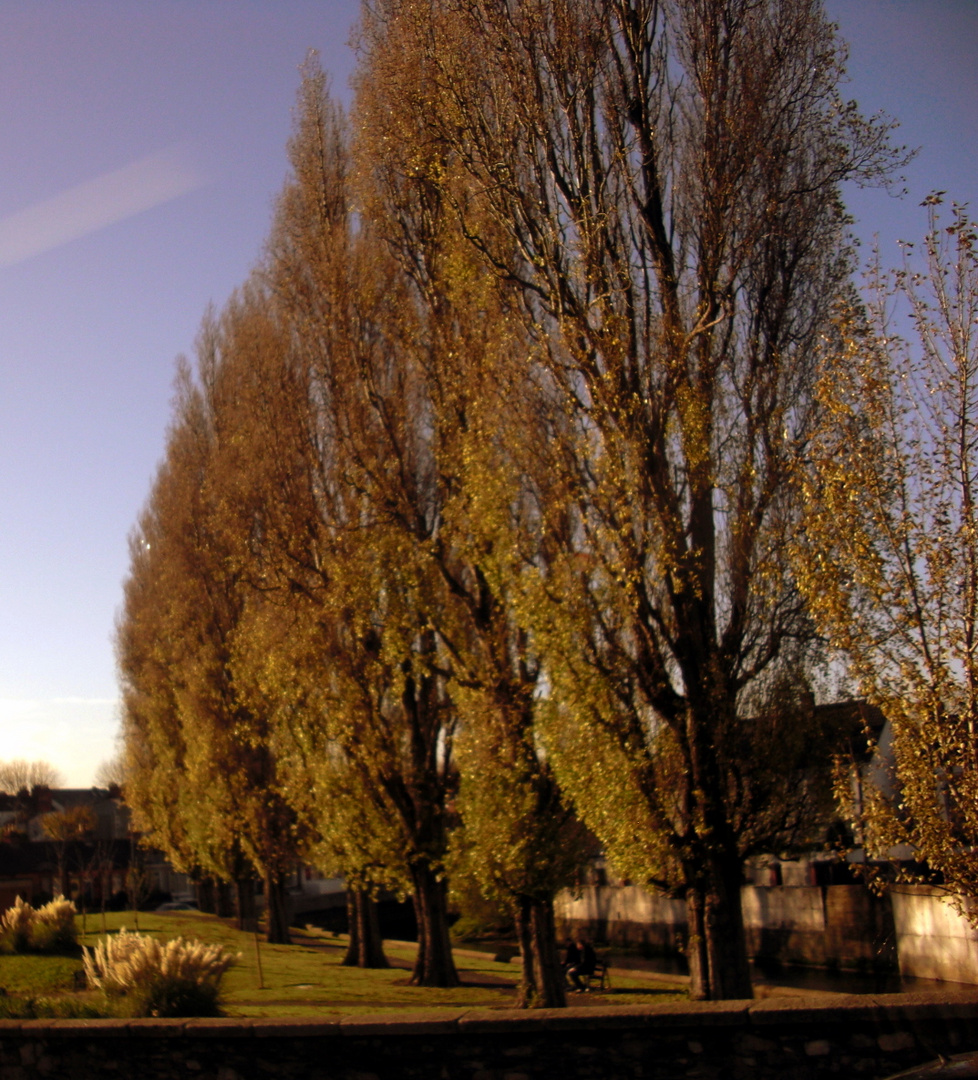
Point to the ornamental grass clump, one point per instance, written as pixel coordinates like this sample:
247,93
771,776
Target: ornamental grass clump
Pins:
15,927
53,928
48,929
141,976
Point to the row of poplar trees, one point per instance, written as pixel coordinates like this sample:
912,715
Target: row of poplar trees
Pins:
477,513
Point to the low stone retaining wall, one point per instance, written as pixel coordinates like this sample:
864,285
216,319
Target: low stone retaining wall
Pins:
912,928
625,915
934,941
773,1038
833,926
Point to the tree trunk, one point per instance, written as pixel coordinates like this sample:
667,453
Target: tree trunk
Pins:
223,900
366,949
699,980
105,884
718,965
435,965
246,910
524,935
207,895
353,929
542,983
276,909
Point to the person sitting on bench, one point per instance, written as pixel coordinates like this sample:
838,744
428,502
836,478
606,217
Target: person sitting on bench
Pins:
580,960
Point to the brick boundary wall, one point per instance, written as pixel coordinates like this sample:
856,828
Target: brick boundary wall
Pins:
869,1037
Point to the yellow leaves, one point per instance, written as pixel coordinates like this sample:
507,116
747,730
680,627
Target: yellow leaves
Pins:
459,468
887,569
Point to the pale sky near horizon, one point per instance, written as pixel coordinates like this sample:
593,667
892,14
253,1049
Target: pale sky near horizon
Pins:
142,143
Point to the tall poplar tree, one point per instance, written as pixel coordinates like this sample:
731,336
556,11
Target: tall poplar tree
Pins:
202,771
518,828
661,181
156,634
352,541
397,371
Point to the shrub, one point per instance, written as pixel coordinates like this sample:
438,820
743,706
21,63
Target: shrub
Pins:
147,978
50,929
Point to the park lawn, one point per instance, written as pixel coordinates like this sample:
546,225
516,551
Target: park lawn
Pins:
38,975
309,974
306,979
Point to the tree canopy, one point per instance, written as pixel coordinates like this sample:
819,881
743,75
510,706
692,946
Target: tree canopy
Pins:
476,521
891,569
661,183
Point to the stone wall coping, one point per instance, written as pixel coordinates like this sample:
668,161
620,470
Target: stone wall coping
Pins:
159,1026
403,1023
293,1027
929,1006
699,1013
222,1026
102,1028
895,1008
801,1010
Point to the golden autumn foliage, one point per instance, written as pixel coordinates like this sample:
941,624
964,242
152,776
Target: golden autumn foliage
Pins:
475,523
891,566
659,182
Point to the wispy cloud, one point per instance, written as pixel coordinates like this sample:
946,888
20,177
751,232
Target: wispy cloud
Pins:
111,197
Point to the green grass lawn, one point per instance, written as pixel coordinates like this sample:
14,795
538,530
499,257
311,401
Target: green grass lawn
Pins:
305,979
38,975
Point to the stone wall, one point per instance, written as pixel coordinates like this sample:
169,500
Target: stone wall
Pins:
625,915
761,1040
913,928
934,940
835,926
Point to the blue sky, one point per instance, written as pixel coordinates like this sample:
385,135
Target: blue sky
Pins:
142,144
